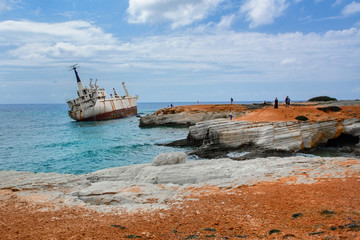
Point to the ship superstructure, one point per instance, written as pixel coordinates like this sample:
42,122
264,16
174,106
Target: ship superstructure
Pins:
92,103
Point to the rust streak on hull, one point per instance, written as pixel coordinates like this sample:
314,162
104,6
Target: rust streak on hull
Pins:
120,113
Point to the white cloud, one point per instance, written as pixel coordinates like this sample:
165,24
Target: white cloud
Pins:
337,2
178,12
286,61
226,21
216,55
8,5
42,41
79,31
356,90
262,12
351,8
2,5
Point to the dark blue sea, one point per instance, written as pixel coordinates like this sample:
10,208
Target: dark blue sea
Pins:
43,138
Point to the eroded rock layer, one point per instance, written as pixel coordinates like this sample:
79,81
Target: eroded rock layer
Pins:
191,114
147,186
282,136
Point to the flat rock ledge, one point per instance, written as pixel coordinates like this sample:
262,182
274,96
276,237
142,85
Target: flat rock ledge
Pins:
191,114
180,119
149,187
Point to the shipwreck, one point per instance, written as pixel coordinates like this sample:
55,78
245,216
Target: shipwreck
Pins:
93,104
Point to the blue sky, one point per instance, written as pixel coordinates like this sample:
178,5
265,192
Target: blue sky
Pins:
180,50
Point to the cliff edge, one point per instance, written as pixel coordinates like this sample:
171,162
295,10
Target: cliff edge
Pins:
278,131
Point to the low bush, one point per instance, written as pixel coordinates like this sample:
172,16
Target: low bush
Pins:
330,109
301,118
322,99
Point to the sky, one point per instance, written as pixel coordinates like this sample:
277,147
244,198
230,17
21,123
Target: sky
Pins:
180,50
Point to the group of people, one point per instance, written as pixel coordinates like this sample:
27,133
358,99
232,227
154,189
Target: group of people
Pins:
287,102
276,104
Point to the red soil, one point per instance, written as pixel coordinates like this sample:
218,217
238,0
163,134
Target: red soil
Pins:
290,113
283,113
328,209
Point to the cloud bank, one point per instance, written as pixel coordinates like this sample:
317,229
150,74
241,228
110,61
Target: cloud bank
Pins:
185,12
226,55
31,42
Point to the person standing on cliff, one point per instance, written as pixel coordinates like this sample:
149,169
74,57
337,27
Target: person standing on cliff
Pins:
287,101
276,103
231,100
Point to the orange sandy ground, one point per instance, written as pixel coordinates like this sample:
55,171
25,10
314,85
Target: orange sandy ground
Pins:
290,113
250,212
283,113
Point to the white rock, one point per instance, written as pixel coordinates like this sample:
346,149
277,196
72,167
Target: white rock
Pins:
144,186
288,136
169,158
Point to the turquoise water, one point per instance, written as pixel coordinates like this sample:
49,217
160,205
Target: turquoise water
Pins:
42,138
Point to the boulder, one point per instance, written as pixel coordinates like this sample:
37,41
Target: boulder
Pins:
169,158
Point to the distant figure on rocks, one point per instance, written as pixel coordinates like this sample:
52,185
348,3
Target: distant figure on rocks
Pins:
264,104
231,116
276,104
171,105
231,100
287,101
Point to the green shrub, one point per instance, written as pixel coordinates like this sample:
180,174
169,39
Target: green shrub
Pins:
301,118
322,99
330,109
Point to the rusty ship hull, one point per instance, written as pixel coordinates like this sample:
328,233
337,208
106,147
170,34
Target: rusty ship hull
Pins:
106,110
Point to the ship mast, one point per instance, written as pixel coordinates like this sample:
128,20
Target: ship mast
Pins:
80,85
126,91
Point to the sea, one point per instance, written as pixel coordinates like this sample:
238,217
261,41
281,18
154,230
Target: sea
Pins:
43,138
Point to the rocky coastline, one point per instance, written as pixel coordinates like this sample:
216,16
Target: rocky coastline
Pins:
338,127
275,195
185,116
255,199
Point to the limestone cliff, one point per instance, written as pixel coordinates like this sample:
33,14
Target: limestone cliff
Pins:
280,136
191,114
